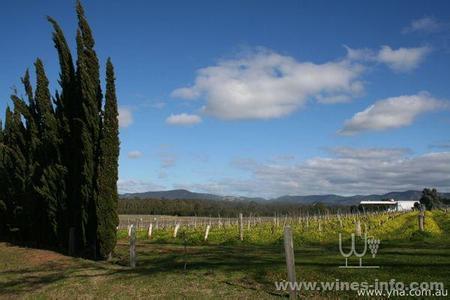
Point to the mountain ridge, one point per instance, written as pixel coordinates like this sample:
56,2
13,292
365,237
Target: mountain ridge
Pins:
306,199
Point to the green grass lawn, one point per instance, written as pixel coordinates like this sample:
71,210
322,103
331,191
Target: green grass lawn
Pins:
229,269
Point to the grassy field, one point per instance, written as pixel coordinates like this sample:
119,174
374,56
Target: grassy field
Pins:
226,267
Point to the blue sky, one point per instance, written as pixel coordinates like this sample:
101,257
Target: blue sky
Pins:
262,98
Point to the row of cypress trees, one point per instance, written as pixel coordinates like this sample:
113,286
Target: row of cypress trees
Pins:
59,155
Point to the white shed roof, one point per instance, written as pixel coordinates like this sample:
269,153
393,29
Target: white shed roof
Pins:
379,202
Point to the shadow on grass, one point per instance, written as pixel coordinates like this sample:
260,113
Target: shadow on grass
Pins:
255,266
254,262
29,279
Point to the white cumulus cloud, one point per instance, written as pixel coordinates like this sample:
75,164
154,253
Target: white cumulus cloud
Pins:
125,116
265,84
392,112
183,119
135,154
399,60
137,186
423,25
403,59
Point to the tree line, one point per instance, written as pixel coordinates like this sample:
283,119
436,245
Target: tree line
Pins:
59,154
205,207
430,199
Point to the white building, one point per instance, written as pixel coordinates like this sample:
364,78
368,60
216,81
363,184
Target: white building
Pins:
391,204
406,204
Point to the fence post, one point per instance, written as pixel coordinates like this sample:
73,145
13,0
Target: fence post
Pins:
132,246
241,228
175,231
421,220
290,260
149,232
207,231
358,228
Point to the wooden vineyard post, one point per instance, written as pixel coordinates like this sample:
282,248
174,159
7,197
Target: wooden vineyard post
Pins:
149,232
132,246
175,231
241,228
277,220
290,260
358,228
421,220
208,227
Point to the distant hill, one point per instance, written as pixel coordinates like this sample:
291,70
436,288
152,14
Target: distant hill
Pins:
309,199
184,194
349,200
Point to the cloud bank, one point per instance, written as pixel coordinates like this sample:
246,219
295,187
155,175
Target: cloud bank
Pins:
346,171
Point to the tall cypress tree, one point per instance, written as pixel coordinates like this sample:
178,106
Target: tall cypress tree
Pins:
3,175
107,219
32,153
50,187
7,188
18,199
68,110
58,164
91,97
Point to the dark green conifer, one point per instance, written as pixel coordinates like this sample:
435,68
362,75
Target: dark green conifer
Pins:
50,186
107,200
58,163
18,202
3,208
90,125
67,110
